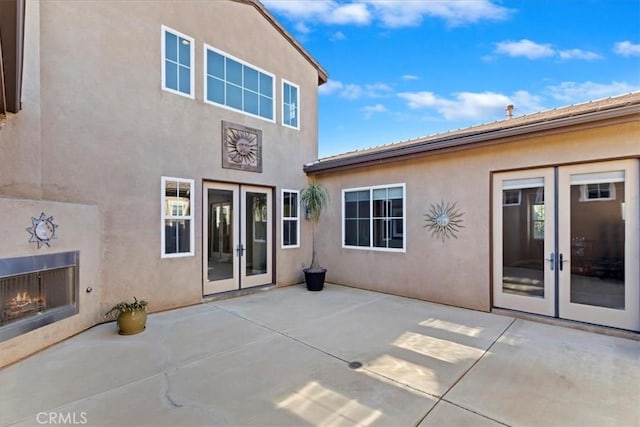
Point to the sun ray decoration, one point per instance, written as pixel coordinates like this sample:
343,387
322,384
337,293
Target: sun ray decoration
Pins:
242,146
42,230
444,220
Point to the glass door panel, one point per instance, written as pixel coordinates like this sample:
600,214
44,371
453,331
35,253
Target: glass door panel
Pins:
220,233
598,220
256,217
523,241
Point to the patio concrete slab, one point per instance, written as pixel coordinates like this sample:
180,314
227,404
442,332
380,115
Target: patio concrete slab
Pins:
280,358
448,415
539,374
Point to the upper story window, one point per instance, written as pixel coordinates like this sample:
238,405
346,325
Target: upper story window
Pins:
177,229
177,62
235,84
374,217
290,219
511,197
290,105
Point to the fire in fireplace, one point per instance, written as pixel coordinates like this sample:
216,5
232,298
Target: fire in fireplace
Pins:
36,291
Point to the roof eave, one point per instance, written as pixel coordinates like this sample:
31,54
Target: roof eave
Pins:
466,141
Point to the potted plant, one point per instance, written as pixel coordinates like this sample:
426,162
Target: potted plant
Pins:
313,199
131,316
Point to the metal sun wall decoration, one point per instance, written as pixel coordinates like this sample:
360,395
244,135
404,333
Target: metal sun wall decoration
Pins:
444,220
241,147
42,230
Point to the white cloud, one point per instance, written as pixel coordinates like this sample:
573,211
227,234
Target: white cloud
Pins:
573,92
626,48
349,14
369,110
330,87
532,50
353,91
321,11
473,105
578,54
338,35
402,13
410,77
526,48
390,13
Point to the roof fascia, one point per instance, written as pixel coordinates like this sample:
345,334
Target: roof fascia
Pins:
467,141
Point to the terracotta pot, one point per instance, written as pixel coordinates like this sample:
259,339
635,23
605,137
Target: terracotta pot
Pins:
132,322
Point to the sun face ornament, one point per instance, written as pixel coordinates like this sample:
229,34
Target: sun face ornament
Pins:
241,147
444,220
42,230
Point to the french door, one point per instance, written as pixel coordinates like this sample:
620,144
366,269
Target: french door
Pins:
237,245
566,242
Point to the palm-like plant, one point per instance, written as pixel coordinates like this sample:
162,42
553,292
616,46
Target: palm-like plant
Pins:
313,199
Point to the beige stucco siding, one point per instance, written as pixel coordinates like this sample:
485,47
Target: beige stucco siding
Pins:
97,133
112,148
456,271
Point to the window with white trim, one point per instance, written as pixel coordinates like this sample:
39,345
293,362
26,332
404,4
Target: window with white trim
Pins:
177,62
290,105
290,219
177,228
235,84
374,217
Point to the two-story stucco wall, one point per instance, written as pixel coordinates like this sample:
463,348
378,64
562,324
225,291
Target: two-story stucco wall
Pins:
458,270
20,132
110,132
21,200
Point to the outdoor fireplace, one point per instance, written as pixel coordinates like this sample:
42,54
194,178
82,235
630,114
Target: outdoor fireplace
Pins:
36,291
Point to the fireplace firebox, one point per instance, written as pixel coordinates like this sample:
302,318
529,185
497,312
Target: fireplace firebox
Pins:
36,291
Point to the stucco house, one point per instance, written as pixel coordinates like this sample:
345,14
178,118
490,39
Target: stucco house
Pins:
148,149
157,150
536,214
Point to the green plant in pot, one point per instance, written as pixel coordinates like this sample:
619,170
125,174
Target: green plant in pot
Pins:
313,199
131,316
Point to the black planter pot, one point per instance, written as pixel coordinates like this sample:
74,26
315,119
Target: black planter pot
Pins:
314,279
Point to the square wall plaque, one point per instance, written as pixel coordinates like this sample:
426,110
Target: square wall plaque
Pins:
241,147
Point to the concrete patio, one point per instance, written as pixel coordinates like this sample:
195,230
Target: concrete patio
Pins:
281,358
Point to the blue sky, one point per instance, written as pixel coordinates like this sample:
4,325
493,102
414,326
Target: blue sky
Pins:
402,69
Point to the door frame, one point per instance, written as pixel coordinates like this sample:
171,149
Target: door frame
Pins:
561,307
547,304
629,317
239,280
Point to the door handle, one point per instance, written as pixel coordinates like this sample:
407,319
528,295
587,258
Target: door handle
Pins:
240,249
561,261
552,260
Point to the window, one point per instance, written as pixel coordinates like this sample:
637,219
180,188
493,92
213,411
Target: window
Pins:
511,197
177,217
537,214
177,62
290,219
237,85
374,217
600,191
290,105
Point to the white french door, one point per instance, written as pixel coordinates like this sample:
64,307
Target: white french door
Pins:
237,248
566,242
